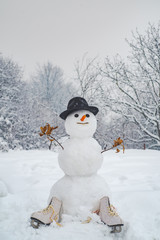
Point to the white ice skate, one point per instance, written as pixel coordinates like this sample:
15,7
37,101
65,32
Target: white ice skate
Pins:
109,216
48,215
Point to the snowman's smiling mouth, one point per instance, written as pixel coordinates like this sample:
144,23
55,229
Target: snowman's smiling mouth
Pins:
83,123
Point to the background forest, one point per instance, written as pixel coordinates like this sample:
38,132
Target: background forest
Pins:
127,94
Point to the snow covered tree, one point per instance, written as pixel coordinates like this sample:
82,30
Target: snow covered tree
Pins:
49,95
50,87
88,79
137,85
10,88
25,107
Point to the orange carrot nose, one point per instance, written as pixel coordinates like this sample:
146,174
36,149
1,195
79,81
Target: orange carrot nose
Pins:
83,117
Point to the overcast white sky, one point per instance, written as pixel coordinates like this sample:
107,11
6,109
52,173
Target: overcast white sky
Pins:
61,31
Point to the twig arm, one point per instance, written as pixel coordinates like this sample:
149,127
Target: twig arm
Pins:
57,142
117,142
107,150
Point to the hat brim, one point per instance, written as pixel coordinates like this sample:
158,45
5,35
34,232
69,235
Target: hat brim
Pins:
92,109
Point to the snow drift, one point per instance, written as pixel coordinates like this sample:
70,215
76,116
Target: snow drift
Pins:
26,178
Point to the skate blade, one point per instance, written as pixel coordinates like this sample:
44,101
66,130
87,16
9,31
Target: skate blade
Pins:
116,229
35,223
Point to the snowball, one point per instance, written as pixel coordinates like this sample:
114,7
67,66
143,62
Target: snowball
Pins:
81,129
80,194
80,157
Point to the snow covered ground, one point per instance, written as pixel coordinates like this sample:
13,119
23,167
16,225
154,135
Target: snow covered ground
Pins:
27,176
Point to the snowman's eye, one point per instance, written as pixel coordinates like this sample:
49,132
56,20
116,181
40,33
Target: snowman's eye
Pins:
87,115
76,115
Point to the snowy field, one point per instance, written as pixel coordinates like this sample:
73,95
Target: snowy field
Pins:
27,176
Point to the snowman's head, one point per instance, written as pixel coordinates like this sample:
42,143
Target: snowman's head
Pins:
81,124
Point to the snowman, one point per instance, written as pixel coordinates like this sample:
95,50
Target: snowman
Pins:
81,190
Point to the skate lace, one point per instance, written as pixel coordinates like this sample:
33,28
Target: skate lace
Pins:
112,210
47,209
88,220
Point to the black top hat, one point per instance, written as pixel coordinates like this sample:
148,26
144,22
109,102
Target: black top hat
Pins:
78,103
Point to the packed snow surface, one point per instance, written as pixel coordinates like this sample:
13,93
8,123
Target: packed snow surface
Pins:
26,178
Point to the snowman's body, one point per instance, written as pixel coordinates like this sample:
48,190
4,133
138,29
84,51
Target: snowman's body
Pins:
81,157
81,188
